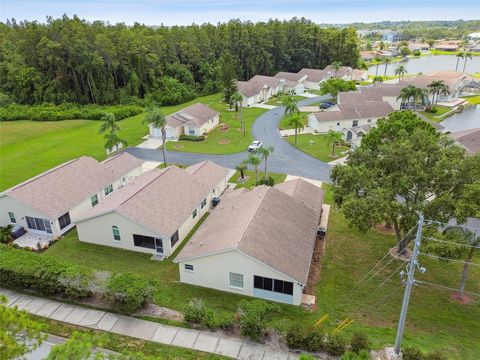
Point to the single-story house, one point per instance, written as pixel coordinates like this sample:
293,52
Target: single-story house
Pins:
418,47
359,75
155,212
314,77
378,92
344,72
349,115
369,55
294,81
197,119
447,47
354,135
257,242
49,202
469,139
260,88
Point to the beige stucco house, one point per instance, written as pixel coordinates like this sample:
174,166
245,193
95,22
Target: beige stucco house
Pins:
197,119
257,242
155,212
295,82
49,202
314,77
259,89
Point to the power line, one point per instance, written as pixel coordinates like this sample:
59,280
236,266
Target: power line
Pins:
418,282
453,225
448,259
393,273
382,299
450,242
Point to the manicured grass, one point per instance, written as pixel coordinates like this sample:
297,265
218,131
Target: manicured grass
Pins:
438,115
284,123
473,99
121,343
250,174
317,146
438,52
314,91
221,140
434,322
277,101
29,147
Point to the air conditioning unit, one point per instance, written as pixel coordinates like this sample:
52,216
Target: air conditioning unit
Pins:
321,231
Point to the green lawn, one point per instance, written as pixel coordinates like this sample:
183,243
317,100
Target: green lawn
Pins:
277,101
434,322
284,123
473,99
221,140
437,116
250,174
317,146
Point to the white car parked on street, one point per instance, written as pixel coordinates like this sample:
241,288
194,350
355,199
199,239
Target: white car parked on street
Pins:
254,146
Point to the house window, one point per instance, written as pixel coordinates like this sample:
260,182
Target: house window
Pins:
174,239
355,123
275,285
144,241
191,131
94,200
64,220
188,267
108,190
11,215
204,202
194,215
236,280
116,233
38,224
369,120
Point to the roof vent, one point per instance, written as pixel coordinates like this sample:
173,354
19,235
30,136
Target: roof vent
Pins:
201,243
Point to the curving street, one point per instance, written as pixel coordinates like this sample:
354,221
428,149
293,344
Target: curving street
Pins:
285,159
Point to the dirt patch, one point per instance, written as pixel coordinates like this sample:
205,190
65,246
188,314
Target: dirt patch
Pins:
315,266
178,146
244,180
223,142
458,298
383,228
224,127
393,252
161,312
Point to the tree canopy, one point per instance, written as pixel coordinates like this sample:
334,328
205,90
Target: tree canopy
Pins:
72,60
403,167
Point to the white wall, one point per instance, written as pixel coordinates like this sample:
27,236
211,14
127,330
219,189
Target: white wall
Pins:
205,128
312,85
336,125
214,272
171,132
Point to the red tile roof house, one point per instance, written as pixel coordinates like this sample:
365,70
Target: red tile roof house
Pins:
260,88
155,212
257,242
48,203
197,119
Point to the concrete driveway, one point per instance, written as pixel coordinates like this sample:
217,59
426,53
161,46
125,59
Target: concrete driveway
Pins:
285,159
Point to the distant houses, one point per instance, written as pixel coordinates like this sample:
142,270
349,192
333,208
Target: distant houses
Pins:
197,119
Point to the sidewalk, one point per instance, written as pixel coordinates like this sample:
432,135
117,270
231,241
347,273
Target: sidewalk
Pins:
230,346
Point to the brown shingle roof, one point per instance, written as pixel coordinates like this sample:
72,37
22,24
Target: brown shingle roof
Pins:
60,189
314,75
380,90
253,86
341,72
208,173
160,200
304,192
355,97
264,223
290,76
193,115
469,139
362,110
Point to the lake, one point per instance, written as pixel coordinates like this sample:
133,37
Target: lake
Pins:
430,63
466,120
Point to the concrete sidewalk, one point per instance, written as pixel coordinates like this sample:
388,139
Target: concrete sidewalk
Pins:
230,346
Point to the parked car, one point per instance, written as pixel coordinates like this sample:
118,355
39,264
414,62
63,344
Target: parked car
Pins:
326,105
254,146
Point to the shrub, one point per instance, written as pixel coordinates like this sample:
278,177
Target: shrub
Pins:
254,316
335,345
194,138
305,337
46,275
268,181
350,355
412,353
416,53
359,342
198,312
431,109
435,356
129,292
306,357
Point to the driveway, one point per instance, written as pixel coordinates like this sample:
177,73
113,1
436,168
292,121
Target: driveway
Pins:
285,159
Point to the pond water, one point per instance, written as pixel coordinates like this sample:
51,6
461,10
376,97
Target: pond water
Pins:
431,63
466,120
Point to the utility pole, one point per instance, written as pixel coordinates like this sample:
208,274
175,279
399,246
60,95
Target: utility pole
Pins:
410,281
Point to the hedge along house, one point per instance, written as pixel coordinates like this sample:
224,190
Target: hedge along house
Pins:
257,242
155,212
48,202
197,119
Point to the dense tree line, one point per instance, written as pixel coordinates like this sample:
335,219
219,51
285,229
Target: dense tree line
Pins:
72,60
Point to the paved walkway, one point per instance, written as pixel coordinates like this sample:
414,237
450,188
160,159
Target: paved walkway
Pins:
233,347
265,106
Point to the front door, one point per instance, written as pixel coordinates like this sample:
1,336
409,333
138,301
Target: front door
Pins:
158,246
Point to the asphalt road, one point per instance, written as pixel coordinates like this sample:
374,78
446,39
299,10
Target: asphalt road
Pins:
285,159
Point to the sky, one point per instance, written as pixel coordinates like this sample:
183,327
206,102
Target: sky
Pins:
182,12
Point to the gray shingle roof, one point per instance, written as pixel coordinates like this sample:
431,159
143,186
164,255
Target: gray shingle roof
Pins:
362,110
193,115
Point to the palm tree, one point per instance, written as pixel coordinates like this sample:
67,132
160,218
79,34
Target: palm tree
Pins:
401,70
377,62
459,56
334,137
467,56
242,167
254,161
156,119
291,106
436,88
336,66
264,153
109,123
237,100
387,61
112,141
297,123
412,95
